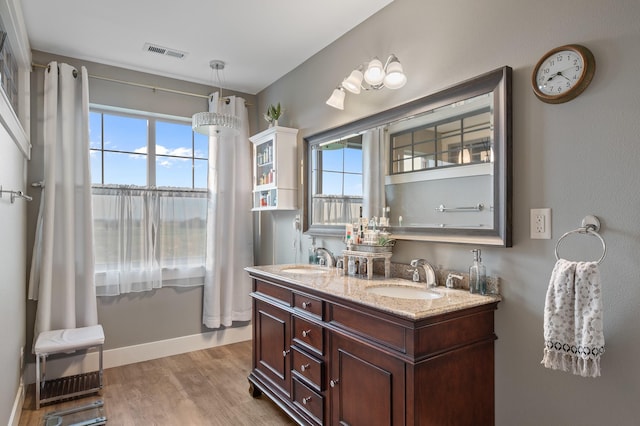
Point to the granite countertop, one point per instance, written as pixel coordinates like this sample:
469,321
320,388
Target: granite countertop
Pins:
330,281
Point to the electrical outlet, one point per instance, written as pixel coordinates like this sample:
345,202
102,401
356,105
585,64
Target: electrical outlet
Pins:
541,224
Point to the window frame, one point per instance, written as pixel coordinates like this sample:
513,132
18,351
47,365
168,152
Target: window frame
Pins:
316,170
151,143
440,150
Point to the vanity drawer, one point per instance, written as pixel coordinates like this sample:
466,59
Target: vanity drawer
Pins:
308,334
308,400
308,367
282,294
308,304
371,327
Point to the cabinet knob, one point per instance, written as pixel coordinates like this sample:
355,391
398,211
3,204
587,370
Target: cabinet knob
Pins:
306,400
304,367
306,305
306,333
334,382
285,353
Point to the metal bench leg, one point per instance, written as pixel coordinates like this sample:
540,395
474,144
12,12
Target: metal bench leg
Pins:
100,367
40,376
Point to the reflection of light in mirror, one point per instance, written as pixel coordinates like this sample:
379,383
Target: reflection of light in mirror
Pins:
464,157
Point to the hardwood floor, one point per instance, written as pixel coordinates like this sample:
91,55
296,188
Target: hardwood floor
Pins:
207,387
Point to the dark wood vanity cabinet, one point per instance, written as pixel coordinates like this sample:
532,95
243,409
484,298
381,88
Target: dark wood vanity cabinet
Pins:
272,345
367,386
329,361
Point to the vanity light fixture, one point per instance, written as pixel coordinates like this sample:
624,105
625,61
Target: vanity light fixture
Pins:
212,123
370,76
337,98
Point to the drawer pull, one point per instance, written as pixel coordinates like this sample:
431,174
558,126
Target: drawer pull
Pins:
306,305
306,400
285,353
333,383
304,367
306,333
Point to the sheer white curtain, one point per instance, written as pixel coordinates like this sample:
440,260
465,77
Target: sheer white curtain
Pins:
335,209
229,223
62,276
147,238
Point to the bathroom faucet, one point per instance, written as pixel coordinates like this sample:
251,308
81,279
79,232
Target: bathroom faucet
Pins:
429,272
327,255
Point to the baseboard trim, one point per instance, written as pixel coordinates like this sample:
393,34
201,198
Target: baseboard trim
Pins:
18,403
77,364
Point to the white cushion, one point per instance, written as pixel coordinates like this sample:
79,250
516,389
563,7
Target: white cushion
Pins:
53,341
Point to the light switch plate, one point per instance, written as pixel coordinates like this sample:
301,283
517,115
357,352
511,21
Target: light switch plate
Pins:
541,224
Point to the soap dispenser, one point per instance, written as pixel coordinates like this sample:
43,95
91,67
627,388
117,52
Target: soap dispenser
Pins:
477,274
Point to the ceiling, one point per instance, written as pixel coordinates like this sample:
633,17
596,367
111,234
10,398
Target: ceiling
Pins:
259,40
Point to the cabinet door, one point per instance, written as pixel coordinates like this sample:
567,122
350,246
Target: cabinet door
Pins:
367,387
272,355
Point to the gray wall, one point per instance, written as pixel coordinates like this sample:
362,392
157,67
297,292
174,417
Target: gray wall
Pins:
577,158
138,317
13,280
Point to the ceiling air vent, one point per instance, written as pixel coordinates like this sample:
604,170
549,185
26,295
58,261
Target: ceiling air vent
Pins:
154,48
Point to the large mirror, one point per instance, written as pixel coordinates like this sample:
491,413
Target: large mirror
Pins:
437,168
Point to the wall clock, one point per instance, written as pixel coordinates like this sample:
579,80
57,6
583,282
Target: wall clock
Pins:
563,73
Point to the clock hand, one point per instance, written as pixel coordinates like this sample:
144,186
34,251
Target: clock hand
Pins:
544,83
559,73
551,77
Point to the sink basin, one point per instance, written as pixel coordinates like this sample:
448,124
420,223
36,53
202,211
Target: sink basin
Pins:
305,270
404,292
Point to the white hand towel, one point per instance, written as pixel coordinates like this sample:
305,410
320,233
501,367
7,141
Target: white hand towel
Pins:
573,333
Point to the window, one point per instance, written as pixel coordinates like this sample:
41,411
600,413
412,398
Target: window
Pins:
464,139
8,69
336,179
149,177
146,151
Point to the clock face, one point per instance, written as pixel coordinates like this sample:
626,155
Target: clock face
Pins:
560,72
563,73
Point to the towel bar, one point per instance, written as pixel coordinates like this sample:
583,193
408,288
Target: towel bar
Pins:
590,225
477,208
15,194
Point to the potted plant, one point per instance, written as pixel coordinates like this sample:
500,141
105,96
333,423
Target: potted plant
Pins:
273,113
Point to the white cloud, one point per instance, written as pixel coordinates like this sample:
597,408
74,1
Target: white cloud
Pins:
178,152
161,151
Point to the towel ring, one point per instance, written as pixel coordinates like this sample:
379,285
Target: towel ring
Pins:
590,225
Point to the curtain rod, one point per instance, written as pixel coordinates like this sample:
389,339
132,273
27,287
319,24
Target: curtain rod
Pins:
145,86
97,186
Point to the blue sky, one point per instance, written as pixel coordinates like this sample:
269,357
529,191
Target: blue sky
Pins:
129,135
334,162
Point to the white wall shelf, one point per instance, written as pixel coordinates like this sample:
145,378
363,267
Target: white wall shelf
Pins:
274,169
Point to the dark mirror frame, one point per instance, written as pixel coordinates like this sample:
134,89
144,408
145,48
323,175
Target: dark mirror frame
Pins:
499,82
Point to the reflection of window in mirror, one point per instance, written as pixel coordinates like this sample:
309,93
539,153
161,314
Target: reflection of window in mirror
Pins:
336,180
437,142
